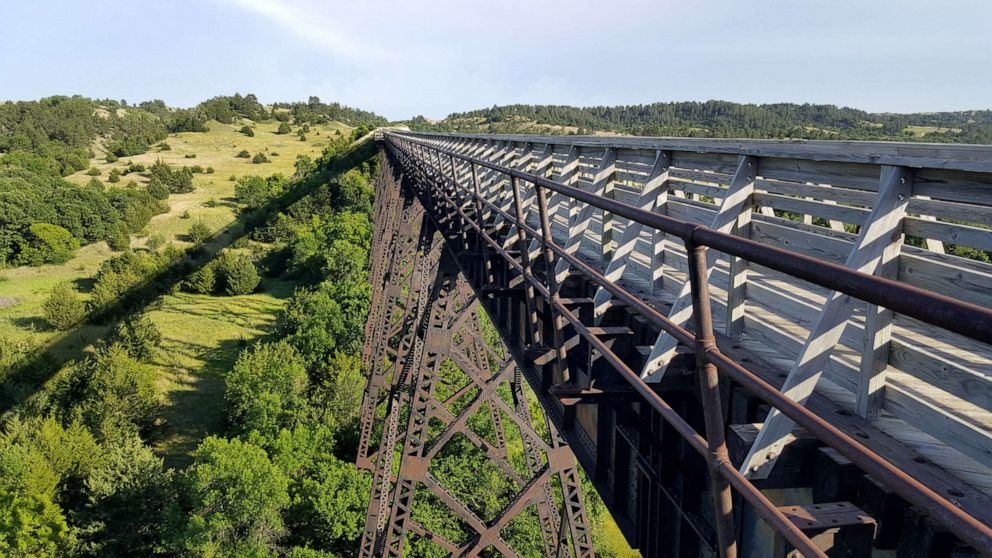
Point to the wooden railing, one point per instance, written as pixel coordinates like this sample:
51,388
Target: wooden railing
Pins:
881,208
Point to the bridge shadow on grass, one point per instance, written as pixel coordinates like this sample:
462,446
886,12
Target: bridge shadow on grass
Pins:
27,378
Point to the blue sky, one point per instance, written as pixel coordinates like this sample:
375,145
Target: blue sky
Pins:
402,58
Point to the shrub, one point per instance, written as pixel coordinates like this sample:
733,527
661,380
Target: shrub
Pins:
266,389
95,184
139,336
63,308
212,202
119,391
210,170
243,154
135,167
306,128
179,181
237,274
164,146
303,137
284,128
47,243
118,239
157,189
203,280
199,232
155,242
184,215
246,130
93,172
190,155
111,158
274,154
114,177
196,169
259,158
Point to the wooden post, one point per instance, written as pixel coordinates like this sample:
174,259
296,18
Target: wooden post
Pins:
655,191
738,197
882,226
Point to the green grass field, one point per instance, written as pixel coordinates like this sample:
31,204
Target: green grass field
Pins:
201,334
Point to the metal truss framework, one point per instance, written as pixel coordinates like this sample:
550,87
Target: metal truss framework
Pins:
645,448
424,323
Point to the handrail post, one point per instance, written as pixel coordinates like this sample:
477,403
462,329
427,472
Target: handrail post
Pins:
485,267
709,385
533,333
551,280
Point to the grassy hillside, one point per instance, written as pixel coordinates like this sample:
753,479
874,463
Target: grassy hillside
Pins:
723,119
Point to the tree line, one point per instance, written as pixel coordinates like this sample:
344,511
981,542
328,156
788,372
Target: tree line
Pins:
726,119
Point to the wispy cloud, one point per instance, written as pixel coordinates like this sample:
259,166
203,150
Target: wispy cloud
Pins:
308,25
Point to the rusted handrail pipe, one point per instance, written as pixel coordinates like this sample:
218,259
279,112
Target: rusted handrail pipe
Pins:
949,313
962,524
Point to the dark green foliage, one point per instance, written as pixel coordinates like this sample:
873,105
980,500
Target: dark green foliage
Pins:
199,232
119,392
316,112
134,167
95,184
155,242
117,239
725,119
139,336
186,121
45,243
259,158
93,171
111,158
227,109
164,146
158,189
243,154
266,390
302,136
246,130
190,156
210,170
237,274
235,498
124,277
203,280
63,307
284,128
254,191
114,177
179,181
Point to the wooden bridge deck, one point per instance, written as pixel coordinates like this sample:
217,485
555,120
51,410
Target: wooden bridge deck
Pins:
938,385
892,210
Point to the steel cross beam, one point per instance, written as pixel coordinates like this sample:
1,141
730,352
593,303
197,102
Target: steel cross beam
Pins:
424,330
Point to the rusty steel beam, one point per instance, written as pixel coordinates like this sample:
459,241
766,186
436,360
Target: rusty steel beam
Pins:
423,316
420,159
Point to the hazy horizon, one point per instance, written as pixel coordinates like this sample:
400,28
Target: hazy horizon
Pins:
402,59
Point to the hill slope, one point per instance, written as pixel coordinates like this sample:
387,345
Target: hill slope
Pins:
723,119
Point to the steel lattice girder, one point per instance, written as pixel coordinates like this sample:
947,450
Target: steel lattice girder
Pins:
423,314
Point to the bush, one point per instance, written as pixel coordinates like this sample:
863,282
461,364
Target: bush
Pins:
237,274
199,232
303,137
246,130
184,215
196,169
118,239
111,158
95,184
179,181
120,391
190,155
266,389
164,147
157,189
306,128
114,177
155,242
284,128
212,202
259,158
93,172
210,170
46,243
139,336
203,280
135,167
243,154
63,308
274,154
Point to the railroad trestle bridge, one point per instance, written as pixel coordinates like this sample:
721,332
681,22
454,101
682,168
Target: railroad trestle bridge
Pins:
749,347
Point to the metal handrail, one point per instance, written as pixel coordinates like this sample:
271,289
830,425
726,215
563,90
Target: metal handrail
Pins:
961,317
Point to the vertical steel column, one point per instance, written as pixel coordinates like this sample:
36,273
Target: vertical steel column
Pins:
533,333
558,322
709,385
